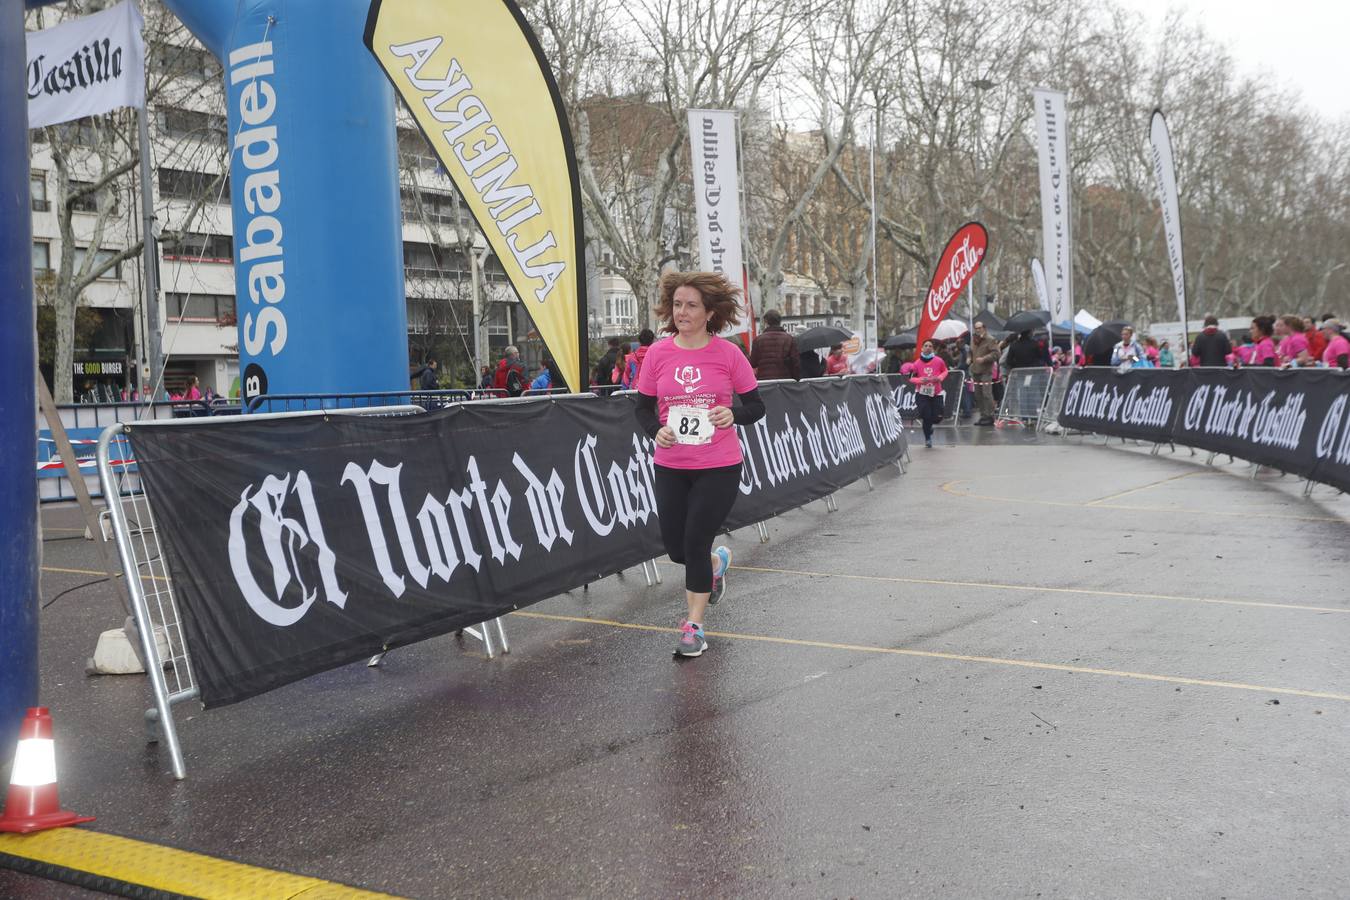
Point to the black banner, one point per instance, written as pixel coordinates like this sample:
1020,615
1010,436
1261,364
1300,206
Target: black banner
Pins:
300,544
1293,420
905,394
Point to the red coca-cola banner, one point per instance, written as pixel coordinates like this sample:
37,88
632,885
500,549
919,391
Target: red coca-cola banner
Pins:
964,253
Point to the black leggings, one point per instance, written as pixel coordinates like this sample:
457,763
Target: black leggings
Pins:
930,411
693,504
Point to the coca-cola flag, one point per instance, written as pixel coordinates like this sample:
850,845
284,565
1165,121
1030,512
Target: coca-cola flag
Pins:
957,266
1165,173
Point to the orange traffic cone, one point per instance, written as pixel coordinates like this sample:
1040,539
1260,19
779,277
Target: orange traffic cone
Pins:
33,804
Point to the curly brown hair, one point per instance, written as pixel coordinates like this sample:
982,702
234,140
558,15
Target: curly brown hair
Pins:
719,299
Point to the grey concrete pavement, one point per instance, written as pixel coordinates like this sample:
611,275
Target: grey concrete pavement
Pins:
1023,669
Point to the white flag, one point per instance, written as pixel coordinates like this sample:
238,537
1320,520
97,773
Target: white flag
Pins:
1052,128
1038,276
86,66
1166,175
712,143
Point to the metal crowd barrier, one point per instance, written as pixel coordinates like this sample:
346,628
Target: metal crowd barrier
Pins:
275,403
154,606
1024,394
83,423
1054,400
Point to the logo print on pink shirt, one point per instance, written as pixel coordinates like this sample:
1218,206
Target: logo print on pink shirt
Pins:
688,377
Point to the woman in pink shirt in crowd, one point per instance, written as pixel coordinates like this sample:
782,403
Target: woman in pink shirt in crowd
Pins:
926,376
836,363
1293,349
685,389
1337,354
1262,329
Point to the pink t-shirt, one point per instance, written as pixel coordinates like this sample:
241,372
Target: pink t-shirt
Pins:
1292,346
701,378
1265,349
1339,346
928,371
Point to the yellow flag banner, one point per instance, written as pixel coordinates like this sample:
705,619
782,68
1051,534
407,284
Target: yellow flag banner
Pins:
477,82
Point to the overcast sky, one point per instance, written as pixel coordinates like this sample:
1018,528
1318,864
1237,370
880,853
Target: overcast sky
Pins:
1301,43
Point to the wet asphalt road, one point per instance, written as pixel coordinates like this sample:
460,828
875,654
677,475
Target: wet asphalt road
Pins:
896,702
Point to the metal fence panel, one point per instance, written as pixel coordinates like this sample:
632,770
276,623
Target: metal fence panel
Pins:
1024,394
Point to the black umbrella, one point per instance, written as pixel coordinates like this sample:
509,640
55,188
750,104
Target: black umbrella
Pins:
1027,320
991,322
902,341
821,336
1098,345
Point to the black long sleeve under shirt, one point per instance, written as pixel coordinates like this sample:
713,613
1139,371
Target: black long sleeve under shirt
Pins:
750,410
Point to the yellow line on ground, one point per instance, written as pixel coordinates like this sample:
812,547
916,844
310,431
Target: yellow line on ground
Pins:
949,488
995,586
1145,487
76,571
97,572
125,862
953,657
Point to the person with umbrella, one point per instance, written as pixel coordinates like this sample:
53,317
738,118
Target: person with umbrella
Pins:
927,375
984,353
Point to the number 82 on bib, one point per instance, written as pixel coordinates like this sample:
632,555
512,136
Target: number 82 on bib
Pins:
691,424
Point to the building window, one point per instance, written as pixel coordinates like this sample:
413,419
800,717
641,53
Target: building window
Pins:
435,207
90,203
181,123
100,257
182,62
180,185
214,308
198,247
37,190
42,257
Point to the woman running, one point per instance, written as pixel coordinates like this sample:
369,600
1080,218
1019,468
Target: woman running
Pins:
685,388
926,376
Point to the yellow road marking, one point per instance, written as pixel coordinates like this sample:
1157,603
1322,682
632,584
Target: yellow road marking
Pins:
953,657
995,586
1145,487
95,572
137,863
950,488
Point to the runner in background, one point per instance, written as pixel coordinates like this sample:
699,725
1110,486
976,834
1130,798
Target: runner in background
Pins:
685,390
926,376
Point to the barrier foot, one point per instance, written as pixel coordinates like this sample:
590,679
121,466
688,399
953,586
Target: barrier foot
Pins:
830,504
1154,451
374,661
763,532
481,633
1210,460
501,635
647,573
870,485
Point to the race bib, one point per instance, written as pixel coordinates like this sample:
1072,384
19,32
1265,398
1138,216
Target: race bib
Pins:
928,390
691,424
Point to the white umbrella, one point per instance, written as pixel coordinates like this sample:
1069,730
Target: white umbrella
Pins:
948,329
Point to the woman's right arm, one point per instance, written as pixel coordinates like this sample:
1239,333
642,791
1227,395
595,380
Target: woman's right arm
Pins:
648,420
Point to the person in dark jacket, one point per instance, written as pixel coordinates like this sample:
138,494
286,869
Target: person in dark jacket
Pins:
1211,346
1025,352
604,370
774,352
427,377
810,365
